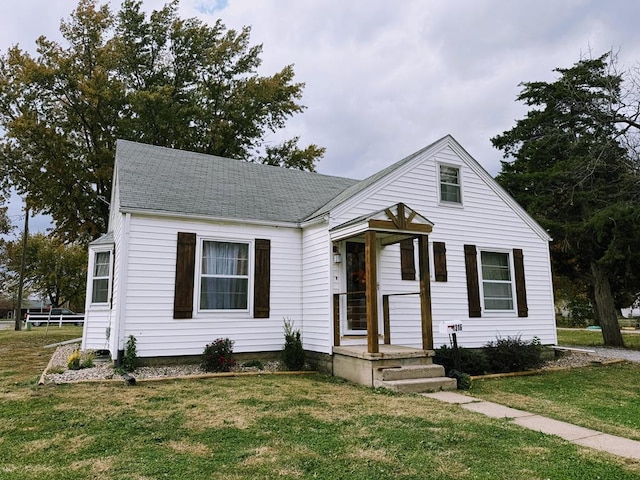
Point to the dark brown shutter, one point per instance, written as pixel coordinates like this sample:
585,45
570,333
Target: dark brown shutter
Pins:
185,270
521,289
473,288
440,261
262,279
407,260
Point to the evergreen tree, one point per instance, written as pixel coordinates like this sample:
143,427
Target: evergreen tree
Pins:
568,162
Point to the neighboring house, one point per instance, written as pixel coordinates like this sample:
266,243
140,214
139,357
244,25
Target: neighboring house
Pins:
201,247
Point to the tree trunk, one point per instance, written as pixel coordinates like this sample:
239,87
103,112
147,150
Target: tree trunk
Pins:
605,307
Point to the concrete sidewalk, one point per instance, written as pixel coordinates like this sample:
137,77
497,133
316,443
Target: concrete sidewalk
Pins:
586,437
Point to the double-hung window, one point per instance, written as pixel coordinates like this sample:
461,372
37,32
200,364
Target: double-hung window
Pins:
224,280
100,277
450,187
496,281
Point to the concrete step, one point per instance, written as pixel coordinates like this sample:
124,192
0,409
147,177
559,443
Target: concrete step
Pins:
420,385
412,371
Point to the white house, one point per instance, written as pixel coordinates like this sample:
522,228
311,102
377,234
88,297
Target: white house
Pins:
202,247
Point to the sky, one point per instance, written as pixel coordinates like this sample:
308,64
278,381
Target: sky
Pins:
384,79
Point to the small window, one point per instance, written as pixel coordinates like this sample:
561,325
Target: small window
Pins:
450,184
224,283
100,282
496,281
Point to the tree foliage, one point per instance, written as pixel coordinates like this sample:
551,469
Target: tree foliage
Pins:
53,269
571,163
156,78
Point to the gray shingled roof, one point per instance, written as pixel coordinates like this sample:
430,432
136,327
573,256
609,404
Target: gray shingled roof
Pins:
161,179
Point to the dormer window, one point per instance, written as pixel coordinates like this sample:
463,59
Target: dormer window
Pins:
450,191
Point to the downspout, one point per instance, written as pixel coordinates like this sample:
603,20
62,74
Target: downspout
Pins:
123,275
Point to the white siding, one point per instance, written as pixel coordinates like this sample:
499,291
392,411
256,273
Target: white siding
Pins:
316,278
484,220
148,313
99,318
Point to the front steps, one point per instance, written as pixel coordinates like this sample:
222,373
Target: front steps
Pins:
414,378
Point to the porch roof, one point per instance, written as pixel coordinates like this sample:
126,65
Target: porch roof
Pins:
394,223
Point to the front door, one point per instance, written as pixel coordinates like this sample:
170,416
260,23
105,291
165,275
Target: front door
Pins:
356,296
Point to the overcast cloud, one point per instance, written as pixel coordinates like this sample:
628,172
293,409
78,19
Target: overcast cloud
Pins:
384,79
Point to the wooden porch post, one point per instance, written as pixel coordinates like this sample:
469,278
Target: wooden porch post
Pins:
425,293
371,291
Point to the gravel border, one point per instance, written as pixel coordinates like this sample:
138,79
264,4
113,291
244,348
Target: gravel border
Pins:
57,371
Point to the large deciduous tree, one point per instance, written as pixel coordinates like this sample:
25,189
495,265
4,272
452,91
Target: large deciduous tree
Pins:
54,269
571,163
158,79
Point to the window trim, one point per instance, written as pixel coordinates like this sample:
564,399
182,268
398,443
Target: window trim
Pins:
108,277
511,281
449,203
250,277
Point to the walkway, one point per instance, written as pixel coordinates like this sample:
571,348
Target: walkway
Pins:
586,437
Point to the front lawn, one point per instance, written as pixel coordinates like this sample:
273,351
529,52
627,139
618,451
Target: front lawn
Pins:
603,398
259,427
593,338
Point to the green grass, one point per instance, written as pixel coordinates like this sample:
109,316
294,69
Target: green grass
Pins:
603,398
593,338
259,427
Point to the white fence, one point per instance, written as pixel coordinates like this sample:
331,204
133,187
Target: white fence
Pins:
37,319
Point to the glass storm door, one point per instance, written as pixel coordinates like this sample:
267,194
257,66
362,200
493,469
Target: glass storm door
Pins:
356,295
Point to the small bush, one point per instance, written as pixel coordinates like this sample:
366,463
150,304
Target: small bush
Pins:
292,351
463,379
73,360
78,360
254,364
512,354
218,356
472,362
130,358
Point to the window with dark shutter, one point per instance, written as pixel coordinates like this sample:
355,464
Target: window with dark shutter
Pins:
521,289
440,261
473,288
185,270
407,260
262,280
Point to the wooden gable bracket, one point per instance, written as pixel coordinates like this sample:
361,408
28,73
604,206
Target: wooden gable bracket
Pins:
400,221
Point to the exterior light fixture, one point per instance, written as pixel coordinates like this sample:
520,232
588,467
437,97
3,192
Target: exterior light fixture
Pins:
337,258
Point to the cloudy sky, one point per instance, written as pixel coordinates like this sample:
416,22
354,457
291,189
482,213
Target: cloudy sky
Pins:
385,78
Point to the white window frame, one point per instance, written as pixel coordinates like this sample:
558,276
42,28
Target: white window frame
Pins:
511,280
108,277
439,166
249,276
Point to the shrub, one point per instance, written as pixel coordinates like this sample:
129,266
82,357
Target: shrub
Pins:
130,358
292,351
73,360
463,379
254,364
78,360
512,354
472,362
218,356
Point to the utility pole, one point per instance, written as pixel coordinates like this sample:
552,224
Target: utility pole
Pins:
25,235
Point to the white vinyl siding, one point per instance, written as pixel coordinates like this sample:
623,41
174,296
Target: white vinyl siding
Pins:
486,220
150,289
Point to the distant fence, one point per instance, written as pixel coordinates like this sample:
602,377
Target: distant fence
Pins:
37,319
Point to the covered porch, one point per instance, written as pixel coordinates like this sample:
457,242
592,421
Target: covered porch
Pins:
366,363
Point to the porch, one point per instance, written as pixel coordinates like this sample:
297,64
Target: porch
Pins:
375,363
